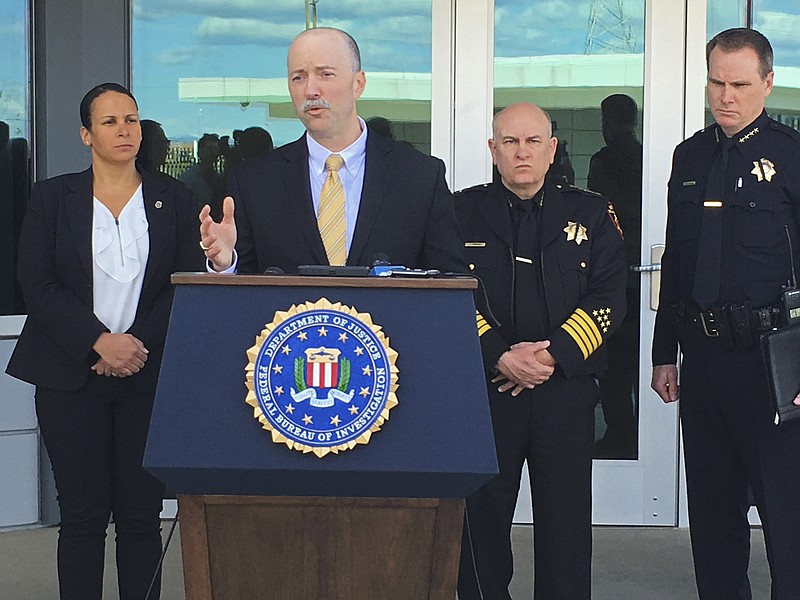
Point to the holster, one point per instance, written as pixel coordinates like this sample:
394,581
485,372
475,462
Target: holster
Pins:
740,319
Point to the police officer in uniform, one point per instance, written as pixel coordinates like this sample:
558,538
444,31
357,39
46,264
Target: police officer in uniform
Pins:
734,202
552,262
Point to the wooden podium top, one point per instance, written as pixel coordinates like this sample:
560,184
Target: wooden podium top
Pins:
448,283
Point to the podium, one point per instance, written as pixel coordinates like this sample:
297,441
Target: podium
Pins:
262,520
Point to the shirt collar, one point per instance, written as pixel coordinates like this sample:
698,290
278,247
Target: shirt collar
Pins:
353,155
517,202
748,134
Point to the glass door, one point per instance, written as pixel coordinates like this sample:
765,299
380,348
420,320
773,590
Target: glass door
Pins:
611,75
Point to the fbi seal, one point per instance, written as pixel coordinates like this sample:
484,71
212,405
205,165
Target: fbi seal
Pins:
321,377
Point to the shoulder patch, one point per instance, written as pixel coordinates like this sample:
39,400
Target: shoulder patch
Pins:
613,216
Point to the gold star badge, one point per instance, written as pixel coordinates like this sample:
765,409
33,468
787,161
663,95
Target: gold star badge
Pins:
763,169
335,420
307,420
353,410
575,232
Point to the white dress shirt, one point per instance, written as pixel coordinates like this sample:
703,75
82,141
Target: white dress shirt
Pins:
351,175
120,248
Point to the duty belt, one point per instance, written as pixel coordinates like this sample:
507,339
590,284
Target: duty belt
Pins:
736,325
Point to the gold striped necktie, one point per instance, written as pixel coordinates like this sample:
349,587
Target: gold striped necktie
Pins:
331,219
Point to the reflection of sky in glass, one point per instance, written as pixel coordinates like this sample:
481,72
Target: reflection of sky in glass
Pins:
545,27
14,66
249,38
779,20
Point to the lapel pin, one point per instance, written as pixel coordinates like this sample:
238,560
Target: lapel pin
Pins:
158,204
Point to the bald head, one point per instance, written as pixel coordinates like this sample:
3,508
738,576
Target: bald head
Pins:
337,36
523,147
521,110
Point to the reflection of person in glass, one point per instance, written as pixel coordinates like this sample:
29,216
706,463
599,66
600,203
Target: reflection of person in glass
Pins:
616,172
340,194
204,182
253,142
553,266
96,254
155,147
732,226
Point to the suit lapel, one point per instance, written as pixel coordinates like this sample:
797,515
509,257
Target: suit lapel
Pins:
160,223
377,174
494,210
79,205
298,190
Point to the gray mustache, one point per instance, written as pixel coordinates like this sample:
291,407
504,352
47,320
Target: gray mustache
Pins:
315,103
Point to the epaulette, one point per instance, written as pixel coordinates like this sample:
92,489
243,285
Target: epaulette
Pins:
574,188
474,188
785,129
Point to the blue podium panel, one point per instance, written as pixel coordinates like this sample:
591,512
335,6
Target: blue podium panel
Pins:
204,439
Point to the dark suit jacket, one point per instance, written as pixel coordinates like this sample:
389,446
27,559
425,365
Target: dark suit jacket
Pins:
55,271
406,211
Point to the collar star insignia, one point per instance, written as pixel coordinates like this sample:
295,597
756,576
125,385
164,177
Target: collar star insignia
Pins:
763,169
748,135
575,232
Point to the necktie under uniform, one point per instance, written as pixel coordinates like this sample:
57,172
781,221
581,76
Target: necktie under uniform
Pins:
709,247
331,217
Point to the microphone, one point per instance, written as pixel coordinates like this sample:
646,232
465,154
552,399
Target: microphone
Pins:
382,267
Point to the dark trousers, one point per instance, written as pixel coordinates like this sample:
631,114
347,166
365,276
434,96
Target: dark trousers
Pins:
730,443
552,426
95,439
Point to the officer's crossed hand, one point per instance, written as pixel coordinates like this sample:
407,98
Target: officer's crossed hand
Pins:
665,382
218,239
524,366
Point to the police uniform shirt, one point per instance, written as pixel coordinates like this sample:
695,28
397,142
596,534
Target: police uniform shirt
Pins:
759,226
761,211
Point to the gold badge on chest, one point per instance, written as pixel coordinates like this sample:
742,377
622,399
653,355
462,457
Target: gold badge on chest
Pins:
764,169
575,232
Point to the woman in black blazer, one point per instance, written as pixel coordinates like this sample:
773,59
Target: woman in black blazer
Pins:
96,253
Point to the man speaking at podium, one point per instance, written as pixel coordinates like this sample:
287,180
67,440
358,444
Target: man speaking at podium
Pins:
338,195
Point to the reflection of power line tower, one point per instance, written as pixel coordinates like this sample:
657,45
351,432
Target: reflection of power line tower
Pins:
608,29
311,14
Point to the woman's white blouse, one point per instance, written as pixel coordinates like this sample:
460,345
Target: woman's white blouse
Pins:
120,248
